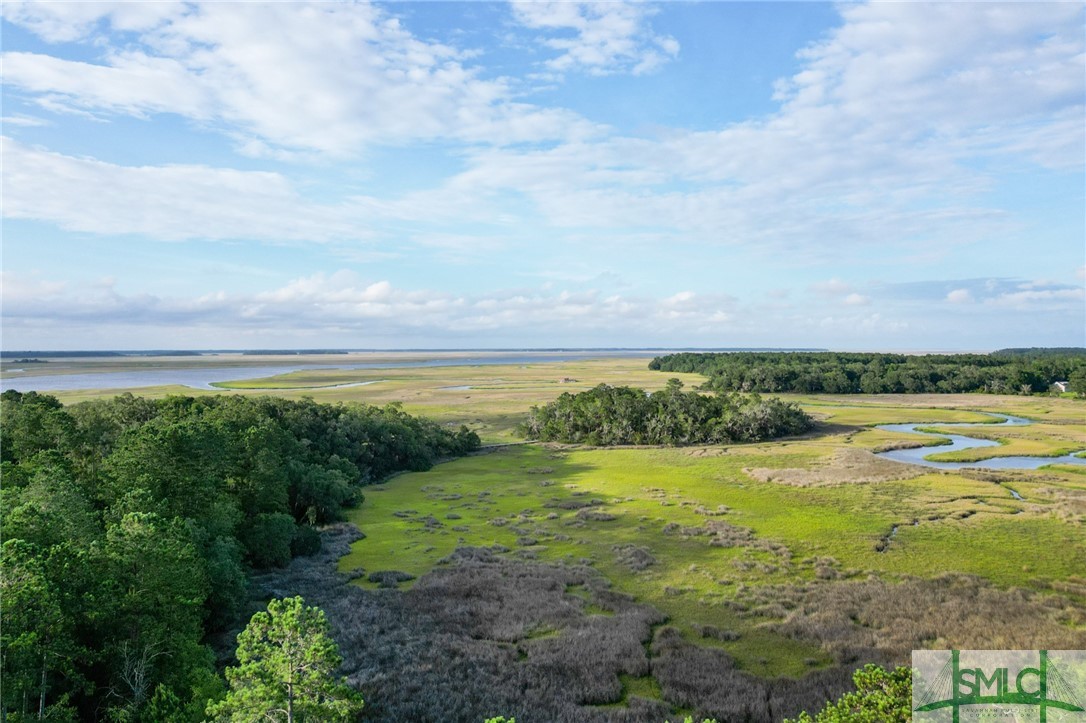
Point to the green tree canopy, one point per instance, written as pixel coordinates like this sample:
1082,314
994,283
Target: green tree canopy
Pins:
36,644
130,526
607,415
287,670
1022,371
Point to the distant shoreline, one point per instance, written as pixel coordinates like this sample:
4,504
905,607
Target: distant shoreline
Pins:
65,353
203,371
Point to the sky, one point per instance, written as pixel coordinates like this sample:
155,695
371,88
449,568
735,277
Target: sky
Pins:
883,176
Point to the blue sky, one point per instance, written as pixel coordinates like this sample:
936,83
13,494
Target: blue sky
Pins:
899,176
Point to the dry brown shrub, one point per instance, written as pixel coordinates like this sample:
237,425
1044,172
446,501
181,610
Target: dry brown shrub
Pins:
633,557
1068,503
573,504
1071,586
390,578
712,631
595,516
706,451
706,681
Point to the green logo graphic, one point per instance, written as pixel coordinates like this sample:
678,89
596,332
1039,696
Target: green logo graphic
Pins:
997,679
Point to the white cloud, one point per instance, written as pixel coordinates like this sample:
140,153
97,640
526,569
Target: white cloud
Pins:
609,37
343,301
165,202
59,22
19,287
864,150
863,326
1057,298
25,121
326,77
959,296
962,68
133,83
833,287
855,299
884,137
346,309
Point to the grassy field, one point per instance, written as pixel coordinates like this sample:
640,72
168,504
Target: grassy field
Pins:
492,399
726,541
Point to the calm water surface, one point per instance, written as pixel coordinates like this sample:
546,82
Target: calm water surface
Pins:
918,455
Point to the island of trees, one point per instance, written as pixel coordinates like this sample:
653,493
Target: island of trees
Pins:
609,415
131,526
1009,371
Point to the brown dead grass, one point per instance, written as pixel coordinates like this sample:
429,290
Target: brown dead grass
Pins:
875,619
845,466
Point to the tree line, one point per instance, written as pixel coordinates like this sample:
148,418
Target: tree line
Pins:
609,415
131,525
1013,371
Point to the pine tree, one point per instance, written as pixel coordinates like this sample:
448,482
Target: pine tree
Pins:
286,672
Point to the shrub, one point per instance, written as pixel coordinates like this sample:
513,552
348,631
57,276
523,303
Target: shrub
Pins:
267,539
306,541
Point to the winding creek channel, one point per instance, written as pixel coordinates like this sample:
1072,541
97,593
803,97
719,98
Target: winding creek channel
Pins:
919,455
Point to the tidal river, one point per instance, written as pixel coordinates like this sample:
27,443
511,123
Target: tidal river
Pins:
918,455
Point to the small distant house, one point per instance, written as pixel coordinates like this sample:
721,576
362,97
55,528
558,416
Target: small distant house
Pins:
1061,386
567,380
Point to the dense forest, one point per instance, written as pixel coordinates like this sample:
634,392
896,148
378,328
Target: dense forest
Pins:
1010,371
609,415
131,527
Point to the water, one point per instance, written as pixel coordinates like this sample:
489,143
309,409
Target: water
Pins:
199,378
203,377
918,455
326,386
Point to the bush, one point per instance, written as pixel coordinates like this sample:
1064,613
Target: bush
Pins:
267,539
306,542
